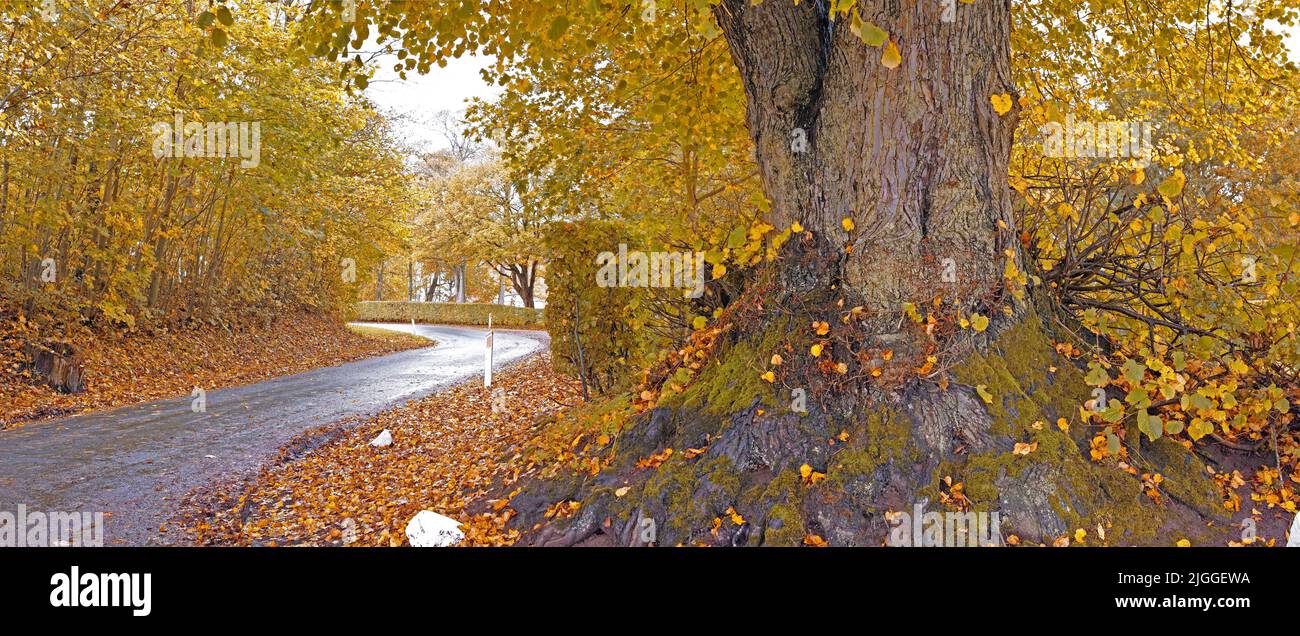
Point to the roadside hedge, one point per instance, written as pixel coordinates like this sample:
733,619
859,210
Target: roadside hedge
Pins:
449,313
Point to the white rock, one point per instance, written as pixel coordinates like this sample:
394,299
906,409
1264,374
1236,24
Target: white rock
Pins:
383,439
429,529
1294,541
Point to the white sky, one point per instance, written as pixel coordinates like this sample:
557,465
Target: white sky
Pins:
420,96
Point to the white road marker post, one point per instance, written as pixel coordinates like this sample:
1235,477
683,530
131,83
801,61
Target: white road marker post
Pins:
487,357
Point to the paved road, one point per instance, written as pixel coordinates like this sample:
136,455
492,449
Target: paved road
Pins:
137,462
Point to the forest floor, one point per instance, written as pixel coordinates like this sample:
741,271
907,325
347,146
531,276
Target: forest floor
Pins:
456,454
451,452
132,369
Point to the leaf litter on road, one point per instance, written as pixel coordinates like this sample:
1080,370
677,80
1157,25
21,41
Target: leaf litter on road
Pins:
452,453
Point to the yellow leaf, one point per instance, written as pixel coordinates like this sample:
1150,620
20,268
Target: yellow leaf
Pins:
816,350
848,224
796,227
1173,186
1184,543
735,516
769,376
777,360
719,271
1001,103
891,58
984,394
979,322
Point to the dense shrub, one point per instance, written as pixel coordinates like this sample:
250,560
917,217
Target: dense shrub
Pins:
448,313
607,321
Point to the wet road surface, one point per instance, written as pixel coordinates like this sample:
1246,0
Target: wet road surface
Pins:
137,462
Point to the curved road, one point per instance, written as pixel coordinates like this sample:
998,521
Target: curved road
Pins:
137,462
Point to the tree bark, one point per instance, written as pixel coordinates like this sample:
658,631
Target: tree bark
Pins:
915,156
460,282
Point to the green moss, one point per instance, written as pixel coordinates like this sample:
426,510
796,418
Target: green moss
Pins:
730,382
1184,476
722,473
1016,370
673,485
791,528
783,498
885,436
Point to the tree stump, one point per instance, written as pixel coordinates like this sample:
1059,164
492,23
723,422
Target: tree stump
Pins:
58,365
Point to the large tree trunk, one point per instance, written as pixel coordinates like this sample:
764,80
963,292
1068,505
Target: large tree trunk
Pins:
916,157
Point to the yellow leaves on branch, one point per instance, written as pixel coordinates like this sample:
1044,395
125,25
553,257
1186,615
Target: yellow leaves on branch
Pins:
1173,186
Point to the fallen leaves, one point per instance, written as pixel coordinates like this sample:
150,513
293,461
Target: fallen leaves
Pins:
809,475
451,454
122,370
655,460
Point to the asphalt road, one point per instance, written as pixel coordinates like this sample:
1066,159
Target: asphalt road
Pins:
138,462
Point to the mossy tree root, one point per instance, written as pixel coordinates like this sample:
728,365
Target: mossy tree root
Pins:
879,452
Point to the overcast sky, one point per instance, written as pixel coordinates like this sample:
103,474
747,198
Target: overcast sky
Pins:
420,96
